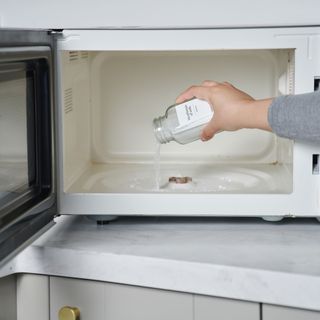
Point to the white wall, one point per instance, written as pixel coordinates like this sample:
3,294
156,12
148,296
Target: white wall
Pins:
155,13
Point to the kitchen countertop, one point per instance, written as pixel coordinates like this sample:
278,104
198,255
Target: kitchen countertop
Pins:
247,259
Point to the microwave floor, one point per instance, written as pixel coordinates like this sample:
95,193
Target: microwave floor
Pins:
201,178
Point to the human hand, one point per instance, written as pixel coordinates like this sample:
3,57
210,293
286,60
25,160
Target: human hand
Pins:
233,109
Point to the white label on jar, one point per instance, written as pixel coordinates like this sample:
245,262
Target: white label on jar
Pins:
193,112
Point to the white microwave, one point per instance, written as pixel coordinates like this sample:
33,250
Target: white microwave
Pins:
109,84
112,83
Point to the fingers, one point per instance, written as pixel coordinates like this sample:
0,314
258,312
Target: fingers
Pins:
186,95
197,91
227,84
200,92
209,83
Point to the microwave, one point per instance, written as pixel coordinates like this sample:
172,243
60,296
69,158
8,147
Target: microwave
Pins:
76,136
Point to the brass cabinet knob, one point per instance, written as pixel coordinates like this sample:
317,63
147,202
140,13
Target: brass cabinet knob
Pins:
69,313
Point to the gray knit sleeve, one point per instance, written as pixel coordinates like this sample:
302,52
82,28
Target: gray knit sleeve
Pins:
296,116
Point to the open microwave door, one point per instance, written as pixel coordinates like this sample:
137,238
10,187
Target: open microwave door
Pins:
27,197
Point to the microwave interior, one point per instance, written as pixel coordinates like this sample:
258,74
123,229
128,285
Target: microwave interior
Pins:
109,99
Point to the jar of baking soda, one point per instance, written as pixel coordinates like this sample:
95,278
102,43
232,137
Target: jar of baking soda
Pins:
183,122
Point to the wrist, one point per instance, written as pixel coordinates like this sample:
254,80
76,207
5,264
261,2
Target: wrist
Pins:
256,114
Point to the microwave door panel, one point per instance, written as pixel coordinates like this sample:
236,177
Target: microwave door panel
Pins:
27,190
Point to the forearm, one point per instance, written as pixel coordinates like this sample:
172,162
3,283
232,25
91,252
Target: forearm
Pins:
296,117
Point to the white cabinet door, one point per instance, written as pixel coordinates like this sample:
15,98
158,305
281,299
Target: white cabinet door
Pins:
271,312
32,297
87,296
8,298
124,302
107,301
211,308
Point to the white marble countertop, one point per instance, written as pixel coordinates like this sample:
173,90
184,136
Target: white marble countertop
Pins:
248,259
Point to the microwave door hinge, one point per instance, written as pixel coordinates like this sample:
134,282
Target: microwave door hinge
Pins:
56,34
55,31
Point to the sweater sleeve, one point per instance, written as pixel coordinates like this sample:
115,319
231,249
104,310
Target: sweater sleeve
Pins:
296,116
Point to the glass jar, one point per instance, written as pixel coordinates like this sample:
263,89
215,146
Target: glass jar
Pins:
183,122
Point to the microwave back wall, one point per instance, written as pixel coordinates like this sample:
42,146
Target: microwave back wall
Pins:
112,83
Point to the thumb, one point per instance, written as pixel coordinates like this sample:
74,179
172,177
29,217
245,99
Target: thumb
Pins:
209,131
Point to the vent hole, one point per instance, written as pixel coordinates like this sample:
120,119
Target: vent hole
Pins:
73,56
315,164
316,83
84,55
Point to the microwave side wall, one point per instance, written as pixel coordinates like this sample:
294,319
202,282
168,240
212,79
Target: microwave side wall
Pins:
303,42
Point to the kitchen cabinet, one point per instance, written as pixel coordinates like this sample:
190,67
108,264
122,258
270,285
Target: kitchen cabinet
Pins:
8,298
137,303
32,297
271,312
98,300
41,297
209,308
88,296
36,294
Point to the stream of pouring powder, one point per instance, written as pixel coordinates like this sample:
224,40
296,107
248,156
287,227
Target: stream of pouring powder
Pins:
157,165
